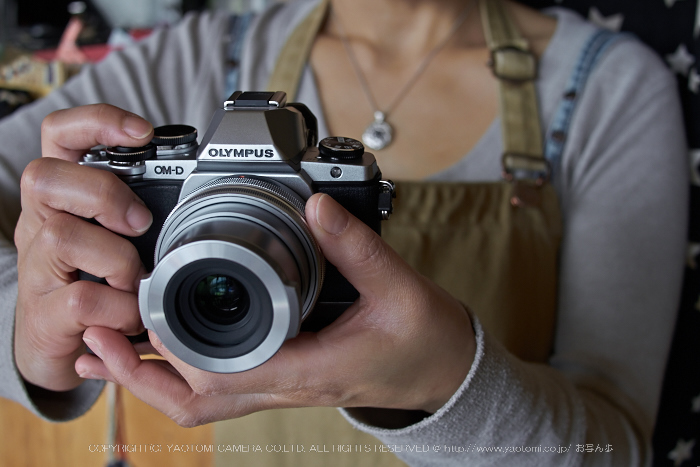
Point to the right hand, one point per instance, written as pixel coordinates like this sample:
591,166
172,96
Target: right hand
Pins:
53,307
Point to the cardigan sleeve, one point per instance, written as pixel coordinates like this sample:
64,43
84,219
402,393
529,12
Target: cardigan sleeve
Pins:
175,76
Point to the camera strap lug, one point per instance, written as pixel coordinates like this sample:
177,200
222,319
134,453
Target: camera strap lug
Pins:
387,192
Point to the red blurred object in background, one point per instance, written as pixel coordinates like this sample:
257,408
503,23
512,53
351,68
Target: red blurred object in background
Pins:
69,52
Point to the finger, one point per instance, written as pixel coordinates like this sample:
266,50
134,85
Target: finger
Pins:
47,333
121,360
286,380
52,185
67,134
357,251
92,304
66,243
91,367
154,383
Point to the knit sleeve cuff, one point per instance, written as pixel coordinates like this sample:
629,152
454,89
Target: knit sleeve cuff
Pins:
408,423
503,405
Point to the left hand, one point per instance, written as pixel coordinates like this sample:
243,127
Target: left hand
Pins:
404,344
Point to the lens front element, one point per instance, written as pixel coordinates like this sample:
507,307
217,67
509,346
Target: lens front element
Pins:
221,299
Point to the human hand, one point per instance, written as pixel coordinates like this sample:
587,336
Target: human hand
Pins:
53,308
405,343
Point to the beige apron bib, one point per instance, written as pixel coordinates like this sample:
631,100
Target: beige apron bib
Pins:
492,245
498,259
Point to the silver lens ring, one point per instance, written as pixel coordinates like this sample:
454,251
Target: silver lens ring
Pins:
290,208
242,180
282,297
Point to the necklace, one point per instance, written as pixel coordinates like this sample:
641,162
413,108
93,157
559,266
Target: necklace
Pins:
379,133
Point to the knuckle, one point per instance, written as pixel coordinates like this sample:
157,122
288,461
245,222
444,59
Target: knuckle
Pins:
21,235
205,387
81,299
187,418
103,115
49,123
107,189
108,198
58,232
106,120
123,266
129,255
33,176
19,242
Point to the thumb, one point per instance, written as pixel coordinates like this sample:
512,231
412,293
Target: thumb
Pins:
360,255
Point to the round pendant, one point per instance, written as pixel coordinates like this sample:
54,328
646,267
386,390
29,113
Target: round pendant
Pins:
378,133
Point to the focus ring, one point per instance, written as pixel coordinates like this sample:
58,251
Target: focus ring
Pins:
251,182
265,191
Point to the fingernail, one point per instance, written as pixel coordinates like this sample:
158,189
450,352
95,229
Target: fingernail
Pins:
136,127
155,340
92,345
89,375
331,216
139,217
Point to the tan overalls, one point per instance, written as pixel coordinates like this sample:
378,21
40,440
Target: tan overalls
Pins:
492,245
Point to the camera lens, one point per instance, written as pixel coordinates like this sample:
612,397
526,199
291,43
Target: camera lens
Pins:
236,272
221,299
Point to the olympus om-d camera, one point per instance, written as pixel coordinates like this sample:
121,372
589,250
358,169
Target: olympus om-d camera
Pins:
234,269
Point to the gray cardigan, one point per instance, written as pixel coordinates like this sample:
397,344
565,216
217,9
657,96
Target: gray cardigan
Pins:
623,191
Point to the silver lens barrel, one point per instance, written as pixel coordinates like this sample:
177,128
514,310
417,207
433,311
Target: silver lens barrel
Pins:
236,272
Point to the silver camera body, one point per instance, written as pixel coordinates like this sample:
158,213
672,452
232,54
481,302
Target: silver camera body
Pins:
234,269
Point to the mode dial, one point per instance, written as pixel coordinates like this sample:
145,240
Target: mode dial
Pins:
339,147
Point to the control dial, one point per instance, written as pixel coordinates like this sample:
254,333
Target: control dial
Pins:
174,135
339,147
130,155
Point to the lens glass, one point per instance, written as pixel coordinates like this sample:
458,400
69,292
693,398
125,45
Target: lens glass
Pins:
221,299
218,308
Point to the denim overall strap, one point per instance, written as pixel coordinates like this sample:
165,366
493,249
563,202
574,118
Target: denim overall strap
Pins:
594,49
238,25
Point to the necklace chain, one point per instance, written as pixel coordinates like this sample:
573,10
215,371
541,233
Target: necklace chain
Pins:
379,133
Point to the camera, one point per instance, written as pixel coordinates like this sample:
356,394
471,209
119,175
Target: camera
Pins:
233,268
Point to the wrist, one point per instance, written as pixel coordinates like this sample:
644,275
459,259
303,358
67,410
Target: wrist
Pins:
446,387
453,364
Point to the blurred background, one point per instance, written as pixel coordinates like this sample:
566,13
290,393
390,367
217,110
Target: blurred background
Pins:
38,24
43,42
